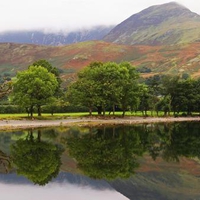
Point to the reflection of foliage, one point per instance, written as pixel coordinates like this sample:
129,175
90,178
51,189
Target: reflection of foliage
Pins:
109,153
172,141
39,161
5,161
184,141
50,133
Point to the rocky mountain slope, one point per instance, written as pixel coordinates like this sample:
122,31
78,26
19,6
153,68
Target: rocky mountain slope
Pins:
164,24
55,39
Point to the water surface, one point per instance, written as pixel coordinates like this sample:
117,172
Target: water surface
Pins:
151,161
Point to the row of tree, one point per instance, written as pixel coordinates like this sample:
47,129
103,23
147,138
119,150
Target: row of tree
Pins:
102,87
110,85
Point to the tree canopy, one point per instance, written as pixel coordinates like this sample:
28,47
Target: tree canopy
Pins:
105,85
49,67
34,87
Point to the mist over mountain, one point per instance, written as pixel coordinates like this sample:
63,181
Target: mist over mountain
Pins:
164,38
164,24
55,39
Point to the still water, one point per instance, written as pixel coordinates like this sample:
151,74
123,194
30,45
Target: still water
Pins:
150,161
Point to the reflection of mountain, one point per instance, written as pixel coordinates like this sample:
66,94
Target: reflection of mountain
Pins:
74,179
160,185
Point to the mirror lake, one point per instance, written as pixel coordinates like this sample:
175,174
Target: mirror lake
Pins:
144,161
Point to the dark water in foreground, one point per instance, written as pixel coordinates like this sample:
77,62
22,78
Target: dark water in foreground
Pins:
151,161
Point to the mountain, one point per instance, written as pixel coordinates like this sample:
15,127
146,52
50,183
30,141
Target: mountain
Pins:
55,39
164,24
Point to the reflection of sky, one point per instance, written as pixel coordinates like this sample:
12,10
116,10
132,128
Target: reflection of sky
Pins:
55,191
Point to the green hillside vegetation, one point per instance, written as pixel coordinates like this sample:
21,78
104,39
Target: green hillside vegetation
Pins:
175,60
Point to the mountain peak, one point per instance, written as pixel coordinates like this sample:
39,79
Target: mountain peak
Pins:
167,9
156,25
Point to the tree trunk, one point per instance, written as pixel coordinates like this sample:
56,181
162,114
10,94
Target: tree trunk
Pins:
99,110
90,111
27,110
113,109
104,111
123,113
31,112
39,110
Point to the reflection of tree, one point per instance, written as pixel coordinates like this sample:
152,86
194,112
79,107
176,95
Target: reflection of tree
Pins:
172,141
5,161
39,161
184,140
106,153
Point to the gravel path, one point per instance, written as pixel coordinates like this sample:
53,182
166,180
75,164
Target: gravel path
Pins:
14,124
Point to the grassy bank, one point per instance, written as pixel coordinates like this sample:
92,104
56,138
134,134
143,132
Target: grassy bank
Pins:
85,114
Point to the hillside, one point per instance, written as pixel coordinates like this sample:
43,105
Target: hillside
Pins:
55,39
176,59
164,24
69,59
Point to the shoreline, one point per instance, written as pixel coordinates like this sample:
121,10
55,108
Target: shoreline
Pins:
24,124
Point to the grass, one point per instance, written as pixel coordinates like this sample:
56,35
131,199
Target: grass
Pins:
19,116
48,116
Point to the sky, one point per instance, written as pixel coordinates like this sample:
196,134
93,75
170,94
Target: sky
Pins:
56,191
67,15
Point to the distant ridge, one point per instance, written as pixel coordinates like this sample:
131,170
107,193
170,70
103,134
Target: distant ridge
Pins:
165,24
55,39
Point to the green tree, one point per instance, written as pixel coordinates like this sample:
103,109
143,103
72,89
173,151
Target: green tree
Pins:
105,85
82,92
5,88
130,89
34,87
49,67
38,160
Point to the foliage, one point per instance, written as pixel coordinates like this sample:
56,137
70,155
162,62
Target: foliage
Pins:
50,68
5,88
34,87
105,85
